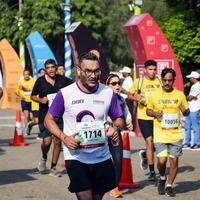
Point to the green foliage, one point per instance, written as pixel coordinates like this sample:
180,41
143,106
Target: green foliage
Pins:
90,13
184,39
105,19
179,19
116,44
8,21
42,16
158,9
39,15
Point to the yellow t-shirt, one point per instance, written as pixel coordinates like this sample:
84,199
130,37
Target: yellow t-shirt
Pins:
168,128
34,106
29,87
148,86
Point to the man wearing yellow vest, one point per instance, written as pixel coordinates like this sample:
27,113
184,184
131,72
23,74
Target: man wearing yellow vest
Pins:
23,90
165,106
142,89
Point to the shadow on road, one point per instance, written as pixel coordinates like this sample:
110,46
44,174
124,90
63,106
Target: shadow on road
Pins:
15,176
2,151
187,186
186,169
143,184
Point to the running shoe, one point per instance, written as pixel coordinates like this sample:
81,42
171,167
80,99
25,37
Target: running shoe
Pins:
170,192
38,138
186,146
195,147
143,160
28,128
42,165
152,176
161,186
115,193
53,172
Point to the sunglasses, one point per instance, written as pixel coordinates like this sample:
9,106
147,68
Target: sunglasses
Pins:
114,83
167,80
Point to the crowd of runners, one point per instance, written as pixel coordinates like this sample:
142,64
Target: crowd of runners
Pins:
84,118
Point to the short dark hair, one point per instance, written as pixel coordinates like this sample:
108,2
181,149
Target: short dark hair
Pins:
50,61
41,69
26,70
88,56
61,65
168,70
149,63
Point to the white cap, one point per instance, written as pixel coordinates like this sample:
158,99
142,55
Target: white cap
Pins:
193,74
125,70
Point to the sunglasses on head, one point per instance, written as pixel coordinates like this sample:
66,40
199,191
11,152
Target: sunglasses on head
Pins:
115,83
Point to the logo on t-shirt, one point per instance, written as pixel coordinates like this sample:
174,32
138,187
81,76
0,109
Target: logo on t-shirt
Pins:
98,102
79,101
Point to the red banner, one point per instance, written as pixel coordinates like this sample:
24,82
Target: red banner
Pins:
149,42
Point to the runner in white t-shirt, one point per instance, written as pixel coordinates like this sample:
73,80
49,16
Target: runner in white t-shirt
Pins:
84,107
193,119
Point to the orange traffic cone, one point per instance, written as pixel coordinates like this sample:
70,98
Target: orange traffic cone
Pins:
18,132
126,181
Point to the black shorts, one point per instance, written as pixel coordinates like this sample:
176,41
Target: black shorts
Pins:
44,132
146,127
35,113
99,177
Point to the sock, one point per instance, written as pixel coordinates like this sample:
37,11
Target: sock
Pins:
169,185
151,168
53,165
162,177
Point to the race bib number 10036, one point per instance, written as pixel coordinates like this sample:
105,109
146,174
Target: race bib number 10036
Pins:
90,134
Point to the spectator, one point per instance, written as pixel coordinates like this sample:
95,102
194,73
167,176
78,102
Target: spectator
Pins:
193,119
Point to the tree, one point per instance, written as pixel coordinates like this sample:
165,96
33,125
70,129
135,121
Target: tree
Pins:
179,19
183,30
105,20
184,38
8,21
115,40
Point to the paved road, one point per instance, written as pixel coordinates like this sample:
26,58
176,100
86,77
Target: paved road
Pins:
20,180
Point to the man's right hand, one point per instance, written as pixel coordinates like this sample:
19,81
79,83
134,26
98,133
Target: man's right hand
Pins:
138,97
158,114
44,100
71,142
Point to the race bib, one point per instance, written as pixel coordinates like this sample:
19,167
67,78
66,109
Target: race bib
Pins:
91,134
50,98
170,121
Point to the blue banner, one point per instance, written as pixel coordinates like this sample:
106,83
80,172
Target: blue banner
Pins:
39,51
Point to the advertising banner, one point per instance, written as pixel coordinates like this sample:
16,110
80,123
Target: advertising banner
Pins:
39,51
147,41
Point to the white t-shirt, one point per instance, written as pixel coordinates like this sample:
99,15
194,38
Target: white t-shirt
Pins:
127,83
194,105
76,106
